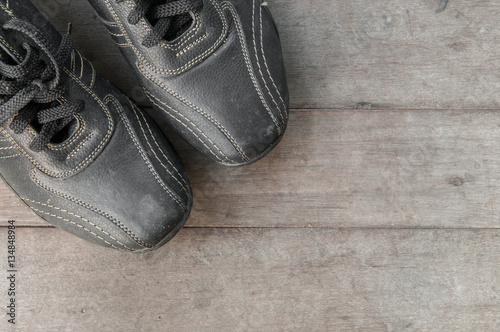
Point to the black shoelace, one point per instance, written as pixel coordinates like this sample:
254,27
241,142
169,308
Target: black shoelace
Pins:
29,90
169,18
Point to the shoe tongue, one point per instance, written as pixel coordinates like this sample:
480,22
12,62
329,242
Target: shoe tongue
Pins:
12,53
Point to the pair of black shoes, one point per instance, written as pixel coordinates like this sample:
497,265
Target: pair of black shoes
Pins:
83,157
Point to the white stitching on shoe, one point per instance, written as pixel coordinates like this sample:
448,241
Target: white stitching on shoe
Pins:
245,54
8,149
254,37
267,68
162,152
141,68
186,65
78,225
80,146
90,156
137,111
91,208
153,99
81,64
143,154
198,110
7,10
116,34
13,156
185,42
88,206
92,80
190,46
111,24
123,45
281,110
78,216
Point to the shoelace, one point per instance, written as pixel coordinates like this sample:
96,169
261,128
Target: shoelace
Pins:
29,90
169,19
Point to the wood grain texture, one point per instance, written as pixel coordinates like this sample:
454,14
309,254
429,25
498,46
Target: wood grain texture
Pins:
346,54
261,280
351,169
315,237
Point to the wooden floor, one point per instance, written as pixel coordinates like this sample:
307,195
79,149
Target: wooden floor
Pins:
379,211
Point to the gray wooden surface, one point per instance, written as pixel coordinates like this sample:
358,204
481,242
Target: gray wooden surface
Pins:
379,211
210,279
352,169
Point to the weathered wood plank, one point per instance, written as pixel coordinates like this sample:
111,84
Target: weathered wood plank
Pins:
363,169
394,54
352,169
261,280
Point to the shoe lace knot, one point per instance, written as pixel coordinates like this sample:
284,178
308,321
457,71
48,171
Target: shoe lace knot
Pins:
31,89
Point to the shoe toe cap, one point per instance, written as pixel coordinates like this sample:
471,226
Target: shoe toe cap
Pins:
134,196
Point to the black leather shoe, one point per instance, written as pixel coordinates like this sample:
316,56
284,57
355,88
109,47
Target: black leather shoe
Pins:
212,69
75,150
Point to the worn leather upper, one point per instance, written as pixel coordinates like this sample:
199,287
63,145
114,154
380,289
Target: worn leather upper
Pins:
221,85
116,181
